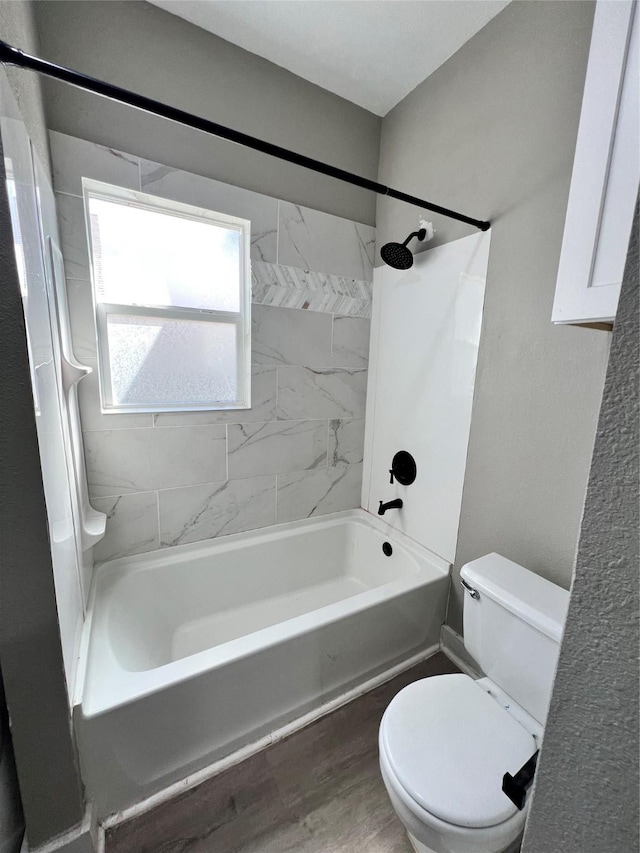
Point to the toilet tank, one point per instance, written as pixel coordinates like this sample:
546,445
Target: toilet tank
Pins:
513,628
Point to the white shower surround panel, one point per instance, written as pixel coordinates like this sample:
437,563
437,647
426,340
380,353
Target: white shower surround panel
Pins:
425,336
33,215
193,653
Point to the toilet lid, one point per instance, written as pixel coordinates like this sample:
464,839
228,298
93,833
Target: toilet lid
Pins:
449,744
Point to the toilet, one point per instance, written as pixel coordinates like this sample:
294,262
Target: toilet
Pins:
447,741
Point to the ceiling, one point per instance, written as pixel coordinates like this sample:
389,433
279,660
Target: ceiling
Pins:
371,52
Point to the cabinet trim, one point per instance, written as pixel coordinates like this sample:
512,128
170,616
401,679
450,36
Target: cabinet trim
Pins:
606,172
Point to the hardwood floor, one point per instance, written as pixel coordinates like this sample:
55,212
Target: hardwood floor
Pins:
318,791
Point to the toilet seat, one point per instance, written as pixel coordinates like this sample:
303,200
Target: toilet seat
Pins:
447,744
436,836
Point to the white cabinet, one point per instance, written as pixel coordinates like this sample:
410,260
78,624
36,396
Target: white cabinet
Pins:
606,171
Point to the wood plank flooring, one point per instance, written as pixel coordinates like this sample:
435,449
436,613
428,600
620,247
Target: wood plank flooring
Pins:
318,791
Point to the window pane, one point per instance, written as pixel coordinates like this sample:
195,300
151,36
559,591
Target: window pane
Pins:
158,361
148,257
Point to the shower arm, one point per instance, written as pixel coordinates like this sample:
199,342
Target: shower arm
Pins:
14,56
421,234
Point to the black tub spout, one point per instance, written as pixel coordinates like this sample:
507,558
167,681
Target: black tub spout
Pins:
396,504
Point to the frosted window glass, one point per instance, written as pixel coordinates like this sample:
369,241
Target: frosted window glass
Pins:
149,257
166,361
172,294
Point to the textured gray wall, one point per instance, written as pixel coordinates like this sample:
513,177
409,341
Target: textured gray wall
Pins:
18,27
11,817
586,795
30,649
146,49
492,133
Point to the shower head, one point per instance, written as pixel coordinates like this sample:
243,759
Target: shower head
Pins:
397,255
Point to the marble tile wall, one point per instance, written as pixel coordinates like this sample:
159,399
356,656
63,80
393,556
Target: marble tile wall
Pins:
171,478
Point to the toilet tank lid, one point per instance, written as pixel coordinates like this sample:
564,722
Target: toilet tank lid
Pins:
533,599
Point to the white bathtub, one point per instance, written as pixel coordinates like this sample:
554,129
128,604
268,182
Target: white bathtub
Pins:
194,652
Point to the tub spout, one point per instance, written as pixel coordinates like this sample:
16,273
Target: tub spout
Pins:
396,504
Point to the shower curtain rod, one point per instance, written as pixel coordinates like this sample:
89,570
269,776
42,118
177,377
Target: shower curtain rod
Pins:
14,56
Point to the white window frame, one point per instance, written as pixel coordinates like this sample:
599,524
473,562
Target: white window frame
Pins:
241,319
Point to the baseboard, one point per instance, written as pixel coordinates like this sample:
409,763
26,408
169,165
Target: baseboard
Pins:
452,644
82,838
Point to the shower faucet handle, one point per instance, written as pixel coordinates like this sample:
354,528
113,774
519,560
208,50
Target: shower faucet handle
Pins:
403,468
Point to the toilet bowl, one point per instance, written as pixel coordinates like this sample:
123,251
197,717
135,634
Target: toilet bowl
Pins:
447,741
445,744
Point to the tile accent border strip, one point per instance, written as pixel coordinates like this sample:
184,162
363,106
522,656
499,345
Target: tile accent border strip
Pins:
290,287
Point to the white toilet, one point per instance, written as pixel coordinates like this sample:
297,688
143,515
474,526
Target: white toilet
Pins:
447,741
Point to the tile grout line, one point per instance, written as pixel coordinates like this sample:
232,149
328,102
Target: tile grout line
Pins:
359,316
328,428
124,494
333,323
277,486
116,429
62,192
159,491
158,516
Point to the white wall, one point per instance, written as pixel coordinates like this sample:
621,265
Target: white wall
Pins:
424,349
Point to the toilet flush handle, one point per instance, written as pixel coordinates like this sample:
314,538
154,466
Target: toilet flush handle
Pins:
472,592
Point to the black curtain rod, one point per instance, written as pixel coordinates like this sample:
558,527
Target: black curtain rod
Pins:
14,56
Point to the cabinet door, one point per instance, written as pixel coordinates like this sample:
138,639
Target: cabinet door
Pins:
606,172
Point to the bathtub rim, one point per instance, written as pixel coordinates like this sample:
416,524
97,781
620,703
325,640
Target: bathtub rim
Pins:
136,685
162,556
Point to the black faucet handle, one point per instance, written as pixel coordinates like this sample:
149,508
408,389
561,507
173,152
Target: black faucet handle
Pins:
390,478
403,468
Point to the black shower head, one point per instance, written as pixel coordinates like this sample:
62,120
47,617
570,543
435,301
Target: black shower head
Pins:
397,255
